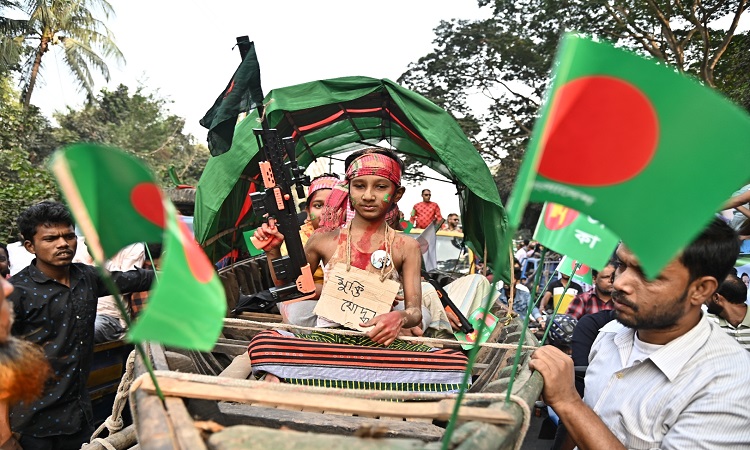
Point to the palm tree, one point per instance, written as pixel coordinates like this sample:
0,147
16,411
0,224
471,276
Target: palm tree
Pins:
84,39
11,46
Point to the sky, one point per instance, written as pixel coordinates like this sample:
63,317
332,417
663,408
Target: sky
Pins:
184,49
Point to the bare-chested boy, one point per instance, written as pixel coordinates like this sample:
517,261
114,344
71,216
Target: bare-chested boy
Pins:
372,185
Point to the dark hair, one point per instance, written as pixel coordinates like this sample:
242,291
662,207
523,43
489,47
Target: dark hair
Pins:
423,191
595,273
155,249
526,242
733,289
744,228
43,213
517,273
381,151
713,252
328,175
4,247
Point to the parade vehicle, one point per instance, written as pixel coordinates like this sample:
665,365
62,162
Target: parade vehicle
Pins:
208,401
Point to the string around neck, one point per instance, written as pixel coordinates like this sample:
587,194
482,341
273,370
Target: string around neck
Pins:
383,273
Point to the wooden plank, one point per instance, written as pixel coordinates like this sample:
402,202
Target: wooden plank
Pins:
188,436
104,346
158,356
152,423
337,424
108,374
244,437
260,317
230,349
440,410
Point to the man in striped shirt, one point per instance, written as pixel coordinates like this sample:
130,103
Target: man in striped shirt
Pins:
599,298
662,375
727,308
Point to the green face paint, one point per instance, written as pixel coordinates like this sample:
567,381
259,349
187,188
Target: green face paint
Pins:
354,202
312,216
386,197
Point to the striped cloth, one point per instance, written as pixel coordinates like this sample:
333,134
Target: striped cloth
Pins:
355,362
741,333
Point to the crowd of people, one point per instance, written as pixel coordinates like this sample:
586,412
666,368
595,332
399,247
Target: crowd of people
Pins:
666,360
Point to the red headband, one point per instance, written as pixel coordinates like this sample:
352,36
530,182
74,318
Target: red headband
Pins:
368,164
321,183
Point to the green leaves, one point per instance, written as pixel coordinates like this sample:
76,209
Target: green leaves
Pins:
85,40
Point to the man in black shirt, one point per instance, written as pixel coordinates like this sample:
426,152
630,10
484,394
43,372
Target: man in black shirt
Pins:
555,290
55,306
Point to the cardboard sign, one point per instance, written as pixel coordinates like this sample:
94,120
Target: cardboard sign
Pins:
356,296
476,317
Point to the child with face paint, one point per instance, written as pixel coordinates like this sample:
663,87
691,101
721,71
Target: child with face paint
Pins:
372,186
300,312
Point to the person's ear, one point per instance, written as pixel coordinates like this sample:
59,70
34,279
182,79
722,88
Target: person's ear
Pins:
701,289
398,194
29,246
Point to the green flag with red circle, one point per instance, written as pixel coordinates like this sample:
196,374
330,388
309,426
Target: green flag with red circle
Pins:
583,275
116,202
648,152
577,235
188,306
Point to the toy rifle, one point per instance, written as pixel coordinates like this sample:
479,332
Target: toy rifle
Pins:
276,200
448,304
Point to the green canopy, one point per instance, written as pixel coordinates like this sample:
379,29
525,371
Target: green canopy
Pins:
328,117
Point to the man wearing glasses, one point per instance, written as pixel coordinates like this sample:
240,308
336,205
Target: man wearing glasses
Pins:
425,211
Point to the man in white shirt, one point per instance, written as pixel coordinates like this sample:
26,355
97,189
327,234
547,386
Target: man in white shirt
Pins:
662,375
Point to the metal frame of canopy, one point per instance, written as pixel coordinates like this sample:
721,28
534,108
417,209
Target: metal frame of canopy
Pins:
329,117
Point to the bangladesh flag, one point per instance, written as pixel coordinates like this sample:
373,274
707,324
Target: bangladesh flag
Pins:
242,94
188,306
116,202
113,207
568,232
582,275
626,140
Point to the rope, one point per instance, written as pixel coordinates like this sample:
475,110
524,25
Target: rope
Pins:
114,421
417,339
526,420
104,443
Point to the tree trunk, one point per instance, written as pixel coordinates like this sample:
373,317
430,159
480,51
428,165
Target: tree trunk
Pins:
43,47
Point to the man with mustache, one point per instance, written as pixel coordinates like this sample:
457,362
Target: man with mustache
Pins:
662,375
727,308
54,302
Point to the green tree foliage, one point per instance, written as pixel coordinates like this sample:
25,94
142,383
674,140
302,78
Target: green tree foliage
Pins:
72,25
25,137
507,57
11,45
733,71
140,124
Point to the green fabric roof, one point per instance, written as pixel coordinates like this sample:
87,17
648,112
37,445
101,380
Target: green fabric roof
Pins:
328,117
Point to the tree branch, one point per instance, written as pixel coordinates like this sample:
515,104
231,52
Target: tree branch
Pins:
645,39
725,43
666,31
